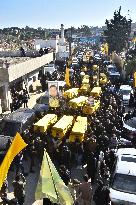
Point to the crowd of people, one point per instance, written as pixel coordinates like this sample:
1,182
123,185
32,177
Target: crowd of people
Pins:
95,155
19,99
97,151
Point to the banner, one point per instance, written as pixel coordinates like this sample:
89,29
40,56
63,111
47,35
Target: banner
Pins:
51,185
17,145
53,90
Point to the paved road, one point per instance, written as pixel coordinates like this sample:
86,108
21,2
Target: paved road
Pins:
32,180
33,97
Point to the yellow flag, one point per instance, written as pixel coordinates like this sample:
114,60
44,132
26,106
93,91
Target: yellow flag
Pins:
51,185
134,79
17,145
134,39
102,49
106,48
67,76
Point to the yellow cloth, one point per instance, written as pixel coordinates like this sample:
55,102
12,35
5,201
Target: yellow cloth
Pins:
134,79
54,101
51,185
105,48
17,145
67,77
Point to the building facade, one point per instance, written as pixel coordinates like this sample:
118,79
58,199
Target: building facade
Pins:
16,73
59,44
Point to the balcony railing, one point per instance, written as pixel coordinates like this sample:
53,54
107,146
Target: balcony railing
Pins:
16,71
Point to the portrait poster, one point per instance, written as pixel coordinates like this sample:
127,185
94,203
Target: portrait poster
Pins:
53,90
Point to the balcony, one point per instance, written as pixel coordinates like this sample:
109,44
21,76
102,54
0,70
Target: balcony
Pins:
18,70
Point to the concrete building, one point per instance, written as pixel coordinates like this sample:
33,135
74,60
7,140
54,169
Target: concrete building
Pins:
26,70
52,43
59,44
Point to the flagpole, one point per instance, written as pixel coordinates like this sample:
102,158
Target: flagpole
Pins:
52,178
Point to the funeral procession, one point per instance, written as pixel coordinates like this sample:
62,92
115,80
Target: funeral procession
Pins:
68,102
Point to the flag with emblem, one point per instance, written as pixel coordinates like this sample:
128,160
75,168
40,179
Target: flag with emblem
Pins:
51,185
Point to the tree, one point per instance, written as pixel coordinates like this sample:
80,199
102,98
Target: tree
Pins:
118,32
86,30
27,28
130,61
39,28
131,66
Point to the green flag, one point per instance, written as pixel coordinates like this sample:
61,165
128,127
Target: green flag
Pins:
51,185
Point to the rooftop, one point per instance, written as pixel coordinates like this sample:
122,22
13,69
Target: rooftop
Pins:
20,115
16,67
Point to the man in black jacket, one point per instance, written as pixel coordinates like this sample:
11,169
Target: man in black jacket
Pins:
101,195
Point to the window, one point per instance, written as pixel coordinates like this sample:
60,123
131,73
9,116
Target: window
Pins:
125,92
124,183
128,159
112,69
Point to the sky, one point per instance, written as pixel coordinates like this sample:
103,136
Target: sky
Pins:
51,13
